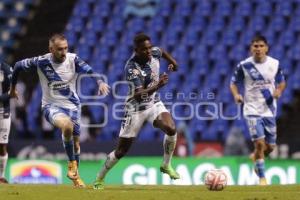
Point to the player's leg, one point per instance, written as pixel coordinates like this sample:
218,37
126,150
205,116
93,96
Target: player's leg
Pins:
60,119
256,129
4,134
127,135
113,157
77,182
3,162
163,120
271,136
64,123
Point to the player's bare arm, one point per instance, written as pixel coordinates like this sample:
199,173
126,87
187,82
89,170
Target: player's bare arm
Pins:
279,90
141,92
238,98
103,88
173,66
13,93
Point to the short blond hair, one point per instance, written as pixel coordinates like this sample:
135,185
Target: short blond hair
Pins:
56,36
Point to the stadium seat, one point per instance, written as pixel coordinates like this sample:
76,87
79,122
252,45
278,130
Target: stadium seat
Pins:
224,8
264,8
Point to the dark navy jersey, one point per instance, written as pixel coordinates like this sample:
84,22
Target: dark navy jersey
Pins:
143,76
5,80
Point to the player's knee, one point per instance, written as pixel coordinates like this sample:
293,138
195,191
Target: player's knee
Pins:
3,150
270,148
260,145
170,129
67,128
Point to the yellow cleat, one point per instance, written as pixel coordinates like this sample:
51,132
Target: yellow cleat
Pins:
78,183
72,170
263,181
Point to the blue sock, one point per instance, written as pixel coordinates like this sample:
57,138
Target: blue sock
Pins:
69,148
77,158
260,166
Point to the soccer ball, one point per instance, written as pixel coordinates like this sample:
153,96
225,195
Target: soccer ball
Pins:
215,179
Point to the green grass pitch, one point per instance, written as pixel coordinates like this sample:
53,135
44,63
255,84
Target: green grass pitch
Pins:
138,192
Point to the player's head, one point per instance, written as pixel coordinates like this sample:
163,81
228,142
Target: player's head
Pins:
142,46
58,46
259,48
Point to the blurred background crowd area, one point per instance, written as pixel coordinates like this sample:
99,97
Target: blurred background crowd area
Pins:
207,37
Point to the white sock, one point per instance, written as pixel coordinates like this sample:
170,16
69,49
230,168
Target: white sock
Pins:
169,146
111,160
3,162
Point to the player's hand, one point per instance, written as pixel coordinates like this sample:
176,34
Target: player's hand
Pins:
277,94
238,98
163,80
103,89
13,93
172,67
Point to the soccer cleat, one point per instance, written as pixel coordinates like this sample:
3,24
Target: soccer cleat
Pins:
263,181
98,184
3,180
170,171
78,183
72,170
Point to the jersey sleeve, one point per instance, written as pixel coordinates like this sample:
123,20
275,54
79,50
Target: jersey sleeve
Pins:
82,67
132,75
23,65
238,75
156,52
279,78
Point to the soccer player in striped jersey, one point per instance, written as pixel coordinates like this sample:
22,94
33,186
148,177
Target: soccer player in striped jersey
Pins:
58,72
264,83
142,74
5,119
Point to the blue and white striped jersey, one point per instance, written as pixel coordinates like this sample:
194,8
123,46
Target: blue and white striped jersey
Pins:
143,77
58,80
260,81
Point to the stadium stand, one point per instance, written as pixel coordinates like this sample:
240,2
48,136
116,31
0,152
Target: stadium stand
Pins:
207,37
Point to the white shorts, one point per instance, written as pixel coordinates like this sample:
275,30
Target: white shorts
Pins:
133,121
4,130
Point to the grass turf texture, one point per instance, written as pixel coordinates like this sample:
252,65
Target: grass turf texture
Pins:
138,192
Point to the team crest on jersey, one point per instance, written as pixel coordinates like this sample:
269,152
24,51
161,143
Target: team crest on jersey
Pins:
1,76
254,73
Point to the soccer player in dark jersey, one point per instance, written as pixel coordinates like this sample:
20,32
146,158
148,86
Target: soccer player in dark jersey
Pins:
142,74
5,120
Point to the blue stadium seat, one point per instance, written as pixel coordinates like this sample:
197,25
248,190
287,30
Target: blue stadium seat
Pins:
264,8
295,24
237,23
278,23
277,52
244,9
198,24
224,8
217,23
229,37
82,9
284,8
238,53
257,24
203,9
287,38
